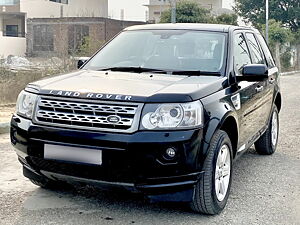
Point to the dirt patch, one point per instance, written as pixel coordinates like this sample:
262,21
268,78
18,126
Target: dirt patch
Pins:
6,112
12,83
14,78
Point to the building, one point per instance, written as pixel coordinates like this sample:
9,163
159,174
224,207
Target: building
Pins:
156,7
14,14
67,35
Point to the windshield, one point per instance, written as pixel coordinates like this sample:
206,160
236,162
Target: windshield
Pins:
163,50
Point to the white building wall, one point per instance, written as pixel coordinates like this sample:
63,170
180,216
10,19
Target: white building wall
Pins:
48,9
93,8
155,12
75,8
12,46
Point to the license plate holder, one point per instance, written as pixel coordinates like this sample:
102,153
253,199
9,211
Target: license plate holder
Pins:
73,154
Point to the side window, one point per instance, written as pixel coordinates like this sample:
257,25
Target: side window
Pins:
266,51
257,56
241,53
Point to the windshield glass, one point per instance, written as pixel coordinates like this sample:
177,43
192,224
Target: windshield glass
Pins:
166,50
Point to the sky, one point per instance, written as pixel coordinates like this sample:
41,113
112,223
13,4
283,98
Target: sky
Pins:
134,9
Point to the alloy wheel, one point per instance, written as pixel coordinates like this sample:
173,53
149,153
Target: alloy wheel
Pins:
222,173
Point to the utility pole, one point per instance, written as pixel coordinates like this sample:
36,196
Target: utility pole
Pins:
267,21
173,15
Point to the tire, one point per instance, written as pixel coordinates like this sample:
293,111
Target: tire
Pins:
205,199
267,143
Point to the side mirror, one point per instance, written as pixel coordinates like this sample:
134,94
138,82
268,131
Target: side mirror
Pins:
254,72
81,61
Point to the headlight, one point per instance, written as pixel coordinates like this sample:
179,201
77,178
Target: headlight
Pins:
172,116
25,104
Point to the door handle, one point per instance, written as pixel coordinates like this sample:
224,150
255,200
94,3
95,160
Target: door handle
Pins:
259,88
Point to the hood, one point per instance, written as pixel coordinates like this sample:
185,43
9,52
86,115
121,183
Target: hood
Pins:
128,86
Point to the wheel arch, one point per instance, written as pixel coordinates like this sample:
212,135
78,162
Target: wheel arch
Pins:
230,126
278,101
227,123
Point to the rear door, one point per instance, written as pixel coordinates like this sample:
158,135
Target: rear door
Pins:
272,69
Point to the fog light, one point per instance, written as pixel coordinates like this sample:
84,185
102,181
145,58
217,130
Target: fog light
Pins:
170,153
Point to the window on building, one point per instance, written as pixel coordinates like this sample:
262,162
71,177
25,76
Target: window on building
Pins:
43,38
77,35
12,31
60,1
9,2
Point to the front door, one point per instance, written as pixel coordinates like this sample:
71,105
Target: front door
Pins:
248,92
264,89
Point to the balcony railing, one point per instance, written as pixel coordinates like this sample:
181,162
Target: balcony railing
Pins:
9,2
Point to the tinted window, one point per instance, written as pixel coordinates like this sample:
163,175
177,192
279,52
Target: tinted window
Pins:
257,57
12,30
266,51
164,49
241,53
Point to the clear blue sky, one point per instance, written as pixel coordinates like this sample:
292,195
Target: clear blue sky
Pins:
134,9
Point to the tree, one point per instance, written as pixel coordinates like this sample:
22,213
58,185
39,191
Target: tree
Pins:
88,46
187,12
277,33
296,41
285,11
230,19
278,36
191,12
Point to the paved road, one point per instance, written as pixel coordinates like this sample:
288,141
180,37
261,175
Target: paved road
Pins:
265,189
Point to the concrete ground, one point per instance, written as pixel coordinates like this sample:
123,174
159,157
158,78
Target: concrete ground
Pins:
265,189
6,112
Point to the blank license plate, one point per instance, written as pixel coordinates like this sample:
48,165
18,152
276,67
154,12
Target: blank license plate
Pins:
73,154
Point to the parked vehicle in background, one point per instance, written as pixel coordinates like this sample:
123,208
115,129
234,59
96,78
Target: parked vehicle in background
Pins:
161,109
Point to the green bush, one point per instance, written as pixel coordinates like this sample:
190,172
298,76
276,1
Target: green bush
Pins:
89,46
285,59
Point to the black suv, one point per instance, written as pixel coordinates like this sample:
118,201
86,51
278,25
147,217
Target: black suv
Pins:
160,109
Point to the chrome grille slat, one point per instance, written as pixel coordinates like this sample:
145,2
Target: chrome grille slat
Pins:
87,115
88,107
80,118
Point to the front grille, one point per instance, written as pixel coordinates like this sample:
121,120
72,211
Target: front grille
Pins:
69,113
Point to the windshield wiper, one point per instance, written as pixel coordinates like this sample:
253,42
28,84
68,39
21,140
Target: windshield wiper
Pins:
133,69
196,73
151,70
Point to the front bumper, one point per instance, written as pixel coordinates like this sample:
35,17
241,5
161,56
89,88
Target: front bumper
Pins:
133,160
